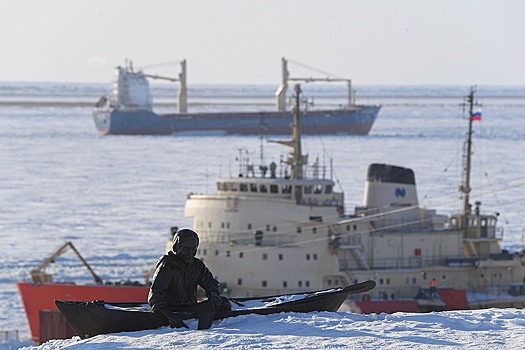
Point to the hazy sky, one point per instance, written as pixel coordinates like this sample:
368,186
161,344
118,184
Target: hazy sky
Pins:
241,41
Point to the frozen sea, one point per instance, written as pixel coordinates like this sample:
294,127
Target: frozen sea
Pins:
116,197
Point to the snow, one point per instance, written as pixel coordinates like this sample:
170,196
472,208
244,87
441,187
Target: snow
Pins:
492,328
116,197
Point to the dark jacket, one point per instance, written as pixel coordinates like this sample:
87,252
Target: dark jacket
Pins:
174,284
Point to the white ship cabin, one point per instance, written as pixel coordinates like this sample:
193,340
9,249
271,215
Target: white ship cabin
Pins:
130,91
303,192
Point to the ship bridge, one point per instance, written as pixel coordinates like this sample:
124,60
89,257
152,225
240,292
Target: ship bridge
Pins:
303,191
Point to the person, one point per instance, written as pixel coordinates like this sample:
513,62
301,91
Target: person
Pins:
173,290
433,286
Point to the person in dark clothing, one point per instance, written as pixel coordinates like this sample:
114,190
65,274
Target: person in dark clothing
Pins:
174,286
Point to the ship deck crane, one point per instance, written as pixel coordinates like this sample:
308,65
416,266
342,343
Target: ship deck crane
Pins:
38,274
281,91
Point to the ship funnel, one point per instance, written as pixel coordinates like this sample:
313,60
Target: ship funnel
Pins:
389,186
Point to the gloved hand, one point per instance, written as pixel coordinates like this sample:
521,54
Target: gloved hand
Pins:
174,319
176,322
215,299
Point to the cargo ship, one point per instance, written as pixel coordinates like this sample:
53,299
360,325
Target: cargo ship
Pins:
128,110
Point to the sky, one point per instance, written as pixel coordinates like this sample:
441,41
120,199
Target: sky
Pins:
241,42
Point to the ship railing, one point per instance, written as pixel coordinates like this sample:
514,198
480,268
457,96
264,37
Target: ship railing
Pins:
251,238
133,108
398,263
327,202
8,335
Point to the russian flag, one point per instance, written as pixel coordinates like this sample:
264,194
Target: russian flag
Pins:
476,115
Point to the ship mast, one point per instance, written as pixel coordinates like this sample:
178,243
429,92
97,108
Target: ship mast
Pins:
465,186
296,160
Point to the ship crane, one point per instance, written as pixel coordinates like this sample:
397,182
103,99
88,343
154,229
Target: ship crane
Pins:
39,276
182,94
281,91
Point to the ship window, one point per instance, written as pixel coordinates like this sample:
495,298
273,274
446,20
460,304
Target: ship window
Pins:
300,283
249,226
407,280
329,282
267,227
307,256
227,186
220,186
253,187
380,281
483,222
274,228
348,227
336,282
241,255
204,252
355,227
264,283
227,225
244,187
285,284
235,187
314,230
307,283
227,253
239,281
265,256
222,224
280,257
274,189
328,189
308,189
444,277
299,230
287,189
414,281
264,189
209,224
388,281
315,256
316,218
216,252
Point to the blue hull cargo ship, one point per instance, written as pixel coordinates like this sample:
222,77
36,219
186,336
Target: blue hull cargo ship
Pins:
128,110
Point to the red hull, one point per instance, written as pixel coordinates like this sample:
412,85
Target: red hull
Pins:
36,297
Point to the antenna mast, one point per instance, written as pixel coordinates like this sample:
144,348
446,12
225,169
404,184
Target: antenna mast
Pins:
465,186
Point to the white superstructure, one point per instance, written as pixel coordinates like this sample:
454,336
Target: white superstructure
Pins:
130,90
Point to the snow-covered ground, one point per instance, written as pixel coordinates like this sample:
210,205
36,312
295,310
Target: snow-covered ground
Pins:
482,329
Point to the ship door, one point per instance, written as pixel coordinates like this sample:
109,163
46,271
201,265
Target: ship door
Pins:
483,228
298,192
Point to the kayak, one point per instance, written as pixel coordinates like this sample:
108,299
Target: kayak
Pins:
92,318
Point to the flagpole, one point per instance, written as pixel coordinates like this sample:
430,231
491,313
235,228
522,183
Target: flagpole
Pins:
465,188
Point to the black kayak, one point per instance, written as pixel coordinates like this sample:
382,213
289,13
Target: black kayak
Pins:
97,317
